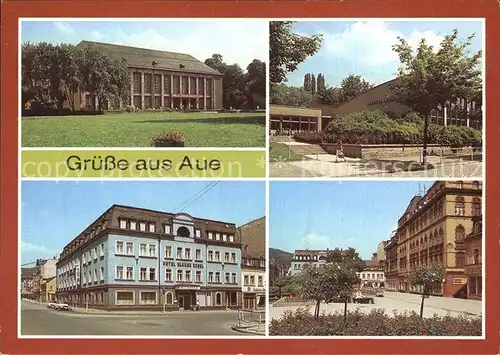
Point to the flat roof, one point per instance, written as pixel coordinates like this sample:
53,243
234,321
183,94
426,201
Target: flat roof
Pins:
294,111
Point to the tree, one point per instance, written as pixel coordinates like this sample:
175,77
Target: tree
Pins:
68,72
307,82
286,284
320,84
282,94
313,84
287,49
427,280
256,84
352,86
430,80
331,96
349,257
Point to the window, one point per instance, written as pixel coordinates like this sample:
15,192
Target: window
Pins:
187,254
101,252
476,256
133,225
168,275
130,248
168,252
231,238
210,276
475,185
217,256
123,223
218,299
119,273
152,274
143,248
210,255
210,235
188,275
459,206
459,234
233,257
228,277
262,263
217,277
84,256
179,275
252,280
95,275
130,273
218,236
102,273
459,260
179,253
224,237
261,281
95,253
198,233
226,257
460,184
144,273
125,298
183,232
198,254
198,276
233,278
476,207
152,227
142,226
152,250
246,278
169,298
168,229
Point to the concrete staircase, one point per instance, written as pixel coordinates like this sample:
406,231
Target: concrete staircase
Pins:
281,139
307,149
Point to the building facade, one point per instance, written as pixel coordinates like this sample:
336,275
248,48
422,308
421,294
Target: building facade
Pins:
160,79
286,120
48,290
45,271
253,266
432,231
379,98
473,265
303,258
27,281
133,258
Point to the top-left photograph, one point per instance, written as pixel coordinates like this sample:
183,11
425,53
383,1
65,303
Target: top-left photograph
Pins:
143,83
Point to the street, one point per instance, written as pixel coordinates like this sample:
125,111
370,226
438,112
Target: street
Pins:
401,302
36,319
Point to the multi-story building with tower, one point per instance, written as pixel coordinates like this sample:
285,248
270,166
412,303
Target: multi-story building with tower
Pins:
133,258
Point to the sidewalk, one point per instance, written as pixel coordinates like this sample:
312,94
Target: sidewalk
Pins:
93,311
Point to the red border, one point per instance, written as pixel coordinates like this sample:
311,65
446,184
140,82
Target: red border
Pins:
11,11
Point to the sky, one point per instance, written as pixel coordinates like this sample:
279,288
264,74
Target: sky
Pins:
53,213
337,214
365,47
200,39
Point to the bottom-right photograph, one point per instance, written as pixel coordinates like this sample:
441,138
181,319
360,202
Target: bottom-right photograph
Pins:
376,258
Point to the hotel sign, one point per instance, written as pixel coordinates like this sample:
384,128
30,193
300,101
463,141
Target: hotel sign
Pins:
183,264
459,281
187,288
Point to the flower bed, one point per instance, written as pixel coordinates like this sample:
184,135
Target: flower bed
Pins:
376,323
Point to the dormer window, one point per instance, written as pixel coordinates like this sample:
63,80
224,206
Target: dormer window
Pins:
154,63
182,66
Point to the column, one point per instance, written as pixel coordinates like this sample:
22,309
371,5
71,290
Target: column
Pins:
445,115
467,107
171,91
162,89
213,94
180,84
197,94
142,90
132,88
204,93
189,92
309,124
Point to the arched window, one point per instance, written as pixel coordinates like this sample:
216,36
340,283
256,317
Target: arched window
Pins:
218,299
440,208
169,298
459,206
183,232
476,207
441,235
459,234
475,185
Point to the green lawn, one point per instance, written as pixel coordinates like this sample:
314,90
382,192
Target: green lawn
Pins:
280,152
139,129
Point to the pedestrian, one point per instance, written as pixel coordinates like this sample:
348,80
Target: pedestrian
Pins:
197,304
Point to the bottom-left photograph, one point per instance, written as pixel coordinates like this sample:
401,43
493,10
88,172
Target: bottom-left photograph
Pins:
142,258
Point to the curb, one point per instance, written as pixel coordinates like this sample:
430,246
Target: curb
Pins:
244,331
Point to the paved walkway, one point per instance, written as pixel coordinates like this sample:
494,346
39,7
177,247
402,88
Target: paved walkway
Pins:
400,302
325,165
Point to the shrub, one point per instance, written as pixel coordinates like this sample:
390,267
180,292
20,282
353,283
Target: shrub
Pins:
166,139
130,108
376,323
310,137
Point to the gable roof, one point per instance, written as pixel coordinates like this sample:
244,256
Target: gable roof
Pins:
143,58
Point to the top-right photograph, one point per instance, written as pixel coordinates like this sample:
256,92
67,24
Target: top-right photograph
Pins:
376,98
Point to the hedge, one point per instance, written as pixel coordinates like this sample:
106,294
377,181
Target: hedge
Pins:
376,127
376,323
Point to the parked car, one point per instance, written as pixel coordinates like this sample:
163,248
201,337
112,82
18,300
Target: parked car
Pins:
52,305
63,307
379,292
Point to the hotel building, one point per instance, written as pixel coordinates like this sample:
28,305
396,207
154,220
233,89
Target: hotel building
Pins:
473,255
432,231
303,258
160,79
134,258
